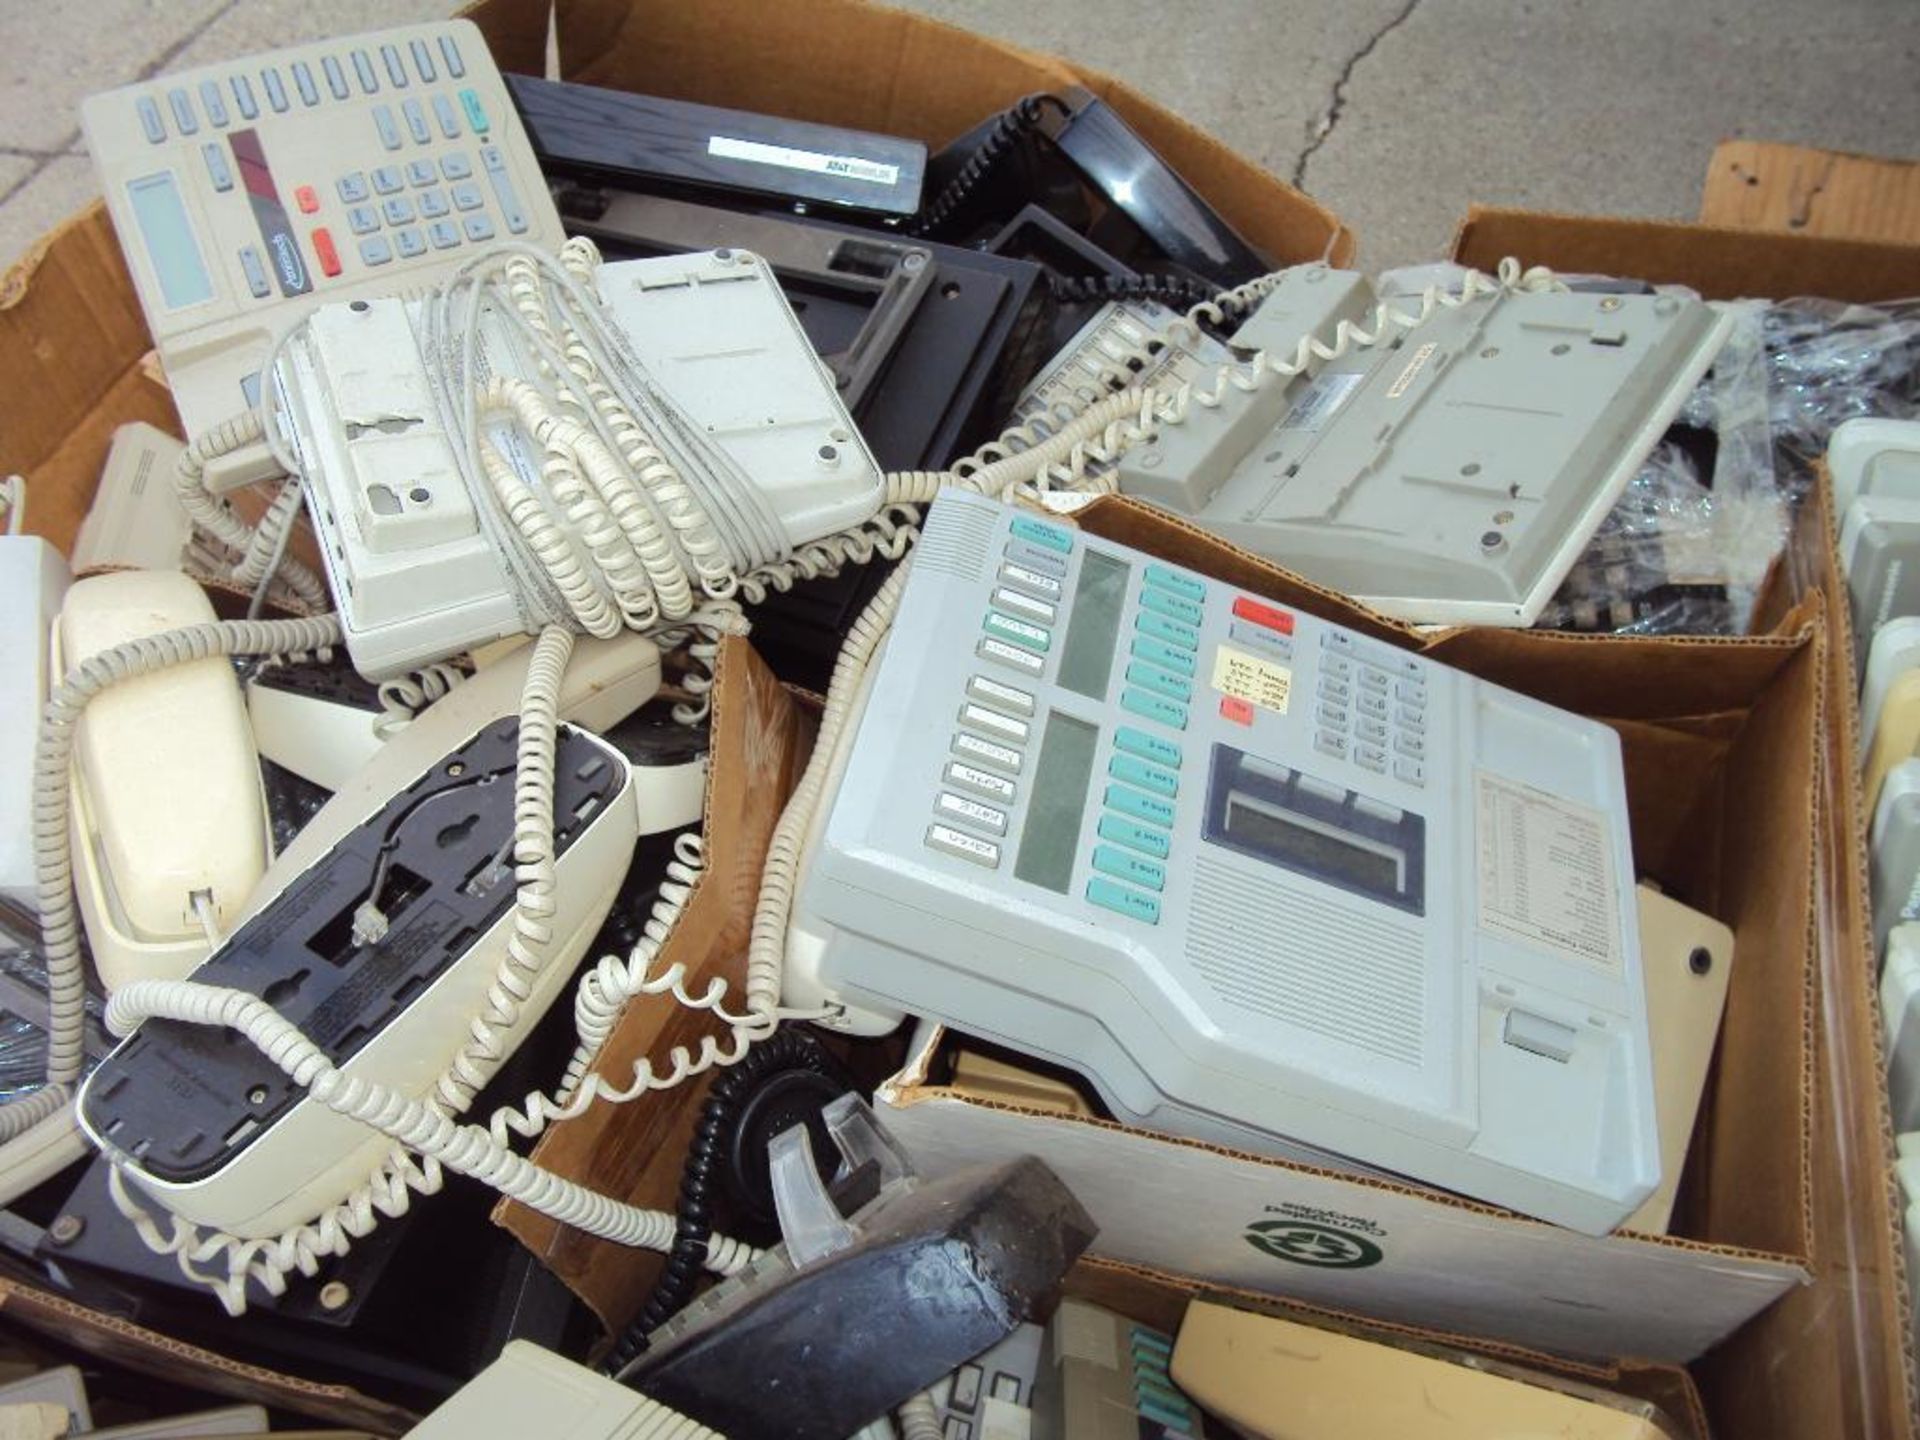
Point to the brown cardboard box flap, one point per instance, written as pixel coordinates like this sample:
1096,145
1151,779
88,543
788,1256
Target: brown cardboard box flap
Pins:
760,740
151,1353
1759,185
1720,263
1157,1298
843,62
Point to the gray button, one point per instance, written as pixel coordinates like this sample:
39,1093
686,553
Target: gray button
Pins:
1377,810
1408,666
433,203
255,270
1009,698
1371,704
479,227
303,82
992,723
1409,718
396,68
1411,771
1328,743
150,121
421,172
363,219
375,250
243,97
1018,577
1259,637
1372,679
444,234
981,782
389,129
409,243
1412,692
1338,641
1012,656
1322,789
218,171
1336,691
503,190
1337,666
276,89
363,70
336,77
423,61
1412,746
961,810
1018,602
416,119
212,103
1371,756
967,847
448,117
1333,717
456,165
386,180
468,197
183,117
985,752
1371,730
352,187
450,52
1048,562
398,210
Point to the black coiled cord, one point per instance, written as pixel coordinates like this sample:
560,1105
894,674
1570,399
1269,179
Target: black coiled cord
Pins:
1006,132
1180,292
789,1049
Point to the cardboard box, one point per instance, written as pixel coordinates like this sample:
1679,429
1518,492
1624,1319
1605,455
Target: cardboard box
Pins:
1831,1359
75,362
1720,742
1755,184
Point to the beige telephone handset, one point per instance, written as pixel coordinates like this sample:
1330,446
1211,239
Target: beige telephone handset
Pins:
169,827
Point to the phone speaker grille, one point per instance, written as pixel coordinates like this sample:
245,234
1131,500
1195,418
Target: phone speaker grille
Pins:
1314,964
958,541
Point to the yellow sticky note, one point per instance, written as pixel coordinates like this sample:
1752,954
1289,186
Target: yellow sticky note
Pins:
1251,678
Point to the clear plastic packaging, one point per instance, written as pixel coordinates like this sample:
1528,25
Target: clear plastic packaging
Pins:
1696,532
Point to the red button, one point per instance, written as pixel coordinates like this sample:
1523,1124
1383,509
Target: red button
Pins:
323,247
1267,615
304,197
1236,709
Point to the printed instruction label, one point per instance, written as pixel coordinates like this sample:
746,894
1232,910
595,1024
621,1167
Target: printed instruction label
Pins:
1319,401
850,167
1251,678
1414,367
1546,873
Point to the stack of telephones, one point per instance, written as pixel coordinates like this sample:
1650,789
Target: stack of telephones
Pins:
791,342
1875,470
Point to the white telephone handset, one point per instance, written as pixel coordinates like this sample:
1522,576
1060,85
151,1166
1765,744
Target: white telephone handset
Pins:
170,827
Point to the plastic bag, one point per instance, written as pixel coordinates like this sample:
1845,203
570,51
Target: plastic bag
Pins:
1685,552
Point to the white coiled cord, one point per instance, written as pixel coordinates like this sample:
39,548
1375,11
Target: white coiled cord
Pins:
919,1418
413,1124
405,696
779,875
256,546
